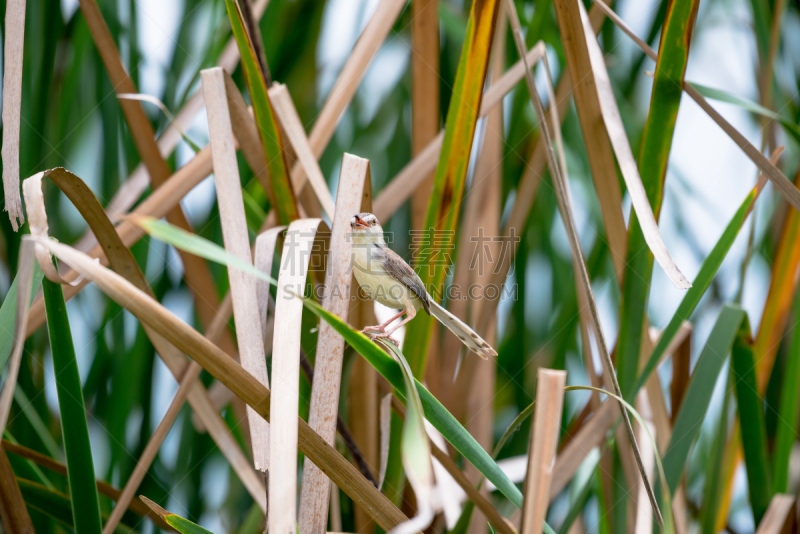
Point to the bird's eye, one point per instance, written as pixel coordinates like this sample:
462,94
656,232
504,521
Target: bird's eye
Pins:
373,223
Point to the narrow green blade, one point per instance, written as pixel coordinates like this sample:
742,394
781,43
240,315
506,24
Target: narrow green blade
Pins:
786,433
80,469
8,313
656,144
698,395
699,286
751,417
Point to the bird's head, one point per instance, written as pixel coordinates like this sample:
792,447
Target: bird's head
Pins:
366,228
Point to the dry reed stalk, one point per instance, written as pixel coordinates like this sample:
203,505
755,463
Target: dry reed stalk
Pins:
598,148
235,237
13,511
681,370
245,129
363,408
122,261
336,509
363,390
425,114
363,399
354,185
224,369
619,141
779,180
643,522
12,106
297,251
590,435
296,135
781,516
196,272
542,448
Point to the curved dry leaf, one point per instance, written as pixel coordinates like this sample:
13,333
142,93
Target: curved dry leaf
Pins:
37,220
627,163
12,102
122,261
262,260
157,205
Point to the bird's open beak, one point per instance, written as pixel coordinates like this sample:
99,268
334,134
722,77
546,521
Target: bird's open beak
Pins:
359,223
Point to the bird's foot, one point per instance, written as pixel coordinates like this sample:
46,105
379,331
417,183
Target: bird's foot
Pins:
383,335
378,328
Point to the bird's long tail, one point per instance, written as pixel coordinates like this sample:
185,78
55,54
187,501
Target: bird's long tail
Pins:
467,335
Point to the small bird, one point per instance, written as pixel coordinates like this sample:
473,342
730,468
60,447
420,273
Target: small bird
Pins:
387,278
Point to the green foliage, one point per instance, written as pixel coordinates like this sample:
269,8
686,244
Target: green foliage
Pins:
80,467
8,313
654,154
695,402
751,419
281,192
68,119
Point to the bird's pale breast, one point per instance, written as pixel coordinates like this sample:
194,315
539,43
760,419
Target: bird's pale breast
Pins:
375,281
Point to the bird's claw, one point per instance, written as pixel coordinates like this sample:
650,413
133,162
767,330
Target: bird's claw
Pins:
368,329
382,335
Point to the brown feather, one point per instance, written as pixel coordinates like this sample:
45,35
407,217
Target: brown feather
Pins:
403,273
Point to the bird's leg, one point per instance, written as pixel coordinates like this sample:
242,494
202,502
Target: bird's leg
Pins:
382,327
412,312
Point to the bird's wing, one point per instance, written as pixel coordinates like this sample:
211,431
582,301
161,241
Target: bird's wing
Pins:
403,273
